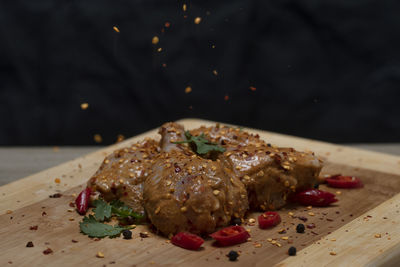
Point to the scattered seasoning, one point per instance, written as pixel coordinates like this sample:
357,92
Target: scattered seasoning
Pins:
188,89
184,7
252,88
304,219
116,29
99,254
127,234
378,236
232,255
333,253
29,244
226,97
57,180
97,138
84,106
9,211
144,234
47,251
300,228
155,40
197,20
56,195
311,226
292,251
35,227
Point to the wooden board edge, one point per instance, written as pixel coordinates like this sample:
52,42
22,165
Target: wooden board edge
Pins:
369,239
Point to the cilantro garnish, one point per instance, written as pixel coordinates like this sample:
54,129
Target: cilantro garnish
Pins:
103,211
202,145
119,209
91,227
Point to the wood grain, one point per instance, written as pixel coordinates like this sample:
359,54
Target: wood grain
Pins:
359,215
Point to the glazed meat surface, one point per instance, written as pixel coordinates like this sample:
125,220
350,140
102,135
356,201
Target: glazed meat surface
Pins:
121,175
186,192
270,174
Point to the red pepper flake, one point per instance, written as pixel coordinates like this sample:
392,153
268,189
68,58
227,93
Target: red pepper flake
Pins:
72,204
252,88
226,97
167,24
56,195
44,213
35,227
74,241
47,251
311,226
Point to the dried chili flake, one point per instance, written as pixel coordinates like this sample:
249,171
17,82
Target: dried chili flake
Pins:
56,195
29,244
35,227
47,251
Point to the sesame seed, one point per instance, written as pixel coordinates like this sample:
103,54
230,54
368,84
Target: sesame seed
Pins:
84,106
284,237
309,207
287,184
378,236
116,29
184,7
290,213
332,253
333,239
252,220
183,209
99,254
107,161
338,193
257,245
311,213
246,177
214,168
168,182
155,40
238,167
216,192
260,173
188,89
157,210
197,20
97,138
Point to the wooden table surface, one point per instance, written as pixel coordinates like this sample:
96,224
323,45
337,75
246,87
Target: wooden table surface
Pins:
19,162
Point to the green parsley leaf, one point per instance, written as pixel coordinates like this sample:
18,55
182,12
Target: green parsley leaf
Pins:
102,210
121,210
203,146
89,226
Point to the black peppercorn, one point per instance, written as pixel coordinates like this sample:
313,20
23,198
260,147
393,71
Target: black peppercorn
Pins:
300,228
232,255
29,244
236,221
292,251
127,234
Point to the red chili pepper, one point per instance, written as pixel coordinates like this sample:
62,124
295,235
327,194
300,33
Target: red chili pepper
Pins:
315,197
231,235
268,219
82,201
340,181
187,240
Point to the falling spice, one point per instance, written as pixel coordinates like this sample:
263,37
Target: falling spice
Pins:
47,251
97,138
120,138
155,40
116,29
188,90
226,97
84,106
100,254
167,24
184,7
215,72
197,20
332,253
159,49
252,88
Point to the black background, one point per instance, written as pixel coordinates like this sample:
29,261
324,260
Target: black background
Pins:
328,70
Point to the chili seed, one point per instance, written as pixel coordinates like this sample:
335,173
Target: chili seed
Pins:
127,234
232,255
300,228
292,251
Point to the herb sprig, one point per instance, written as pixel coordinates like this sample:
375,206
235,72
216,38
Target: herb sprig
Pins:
202,145
93,225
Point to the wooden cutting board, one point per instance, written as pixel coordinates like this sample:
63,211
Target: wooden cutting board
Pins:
362,229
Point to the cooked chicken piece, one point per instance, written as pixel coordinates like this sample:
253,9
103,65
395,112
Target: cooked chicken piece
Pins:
188,193
270,174
121,175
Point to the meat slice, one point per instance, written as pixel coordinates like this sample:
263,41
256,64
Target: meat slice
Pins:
186,192
270,174
122,173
